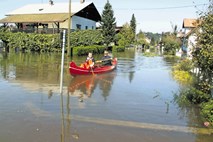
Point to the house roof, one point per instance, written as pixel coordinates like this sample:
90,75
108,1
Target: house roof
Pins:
190,23
48,8
34,18
58,12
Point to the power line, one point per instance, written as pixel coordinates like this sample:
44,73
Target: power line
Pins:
161,8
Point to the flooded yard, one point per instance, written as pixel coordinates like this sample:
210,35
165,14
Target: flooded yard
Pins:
133,103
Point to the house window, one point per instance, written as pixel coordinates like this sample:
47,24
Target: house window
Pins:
78,26
86,27
92,27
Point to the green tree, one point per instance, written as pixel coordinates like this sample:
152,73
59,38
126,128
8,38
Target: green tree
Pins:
141,38
126,36
171,44
152,41
203,53
133,24
108,24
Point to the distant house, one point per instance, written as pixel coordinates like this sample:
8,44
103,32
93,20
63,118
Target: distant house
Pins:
189,35
53,16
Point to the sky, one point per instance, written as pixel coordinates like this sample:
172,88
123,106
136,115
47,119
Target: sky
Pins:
155,16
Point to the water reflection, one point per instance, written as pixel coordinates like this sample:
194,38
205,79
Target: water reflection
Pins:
83,86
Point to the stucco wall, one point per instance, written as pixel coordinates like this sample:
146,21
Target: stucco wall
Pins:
83,22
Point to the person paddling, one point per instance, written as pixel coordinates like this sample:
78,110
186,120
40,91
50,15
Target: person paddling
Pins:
106,59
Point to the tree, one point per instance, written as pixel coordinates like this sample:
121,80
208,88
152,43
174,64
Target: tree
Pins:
171,44
108,24
126,36
141,38
133,24
152,41
203,53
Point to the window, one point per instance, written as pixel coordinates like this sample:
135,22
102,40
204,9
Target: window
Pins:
86,27
78,26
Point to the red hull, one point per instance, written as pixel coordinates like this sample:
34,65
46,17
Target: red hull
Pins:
76,70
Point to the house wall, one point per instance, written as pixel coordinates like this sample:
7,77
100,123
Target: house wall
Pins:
83,23
191,44
76,22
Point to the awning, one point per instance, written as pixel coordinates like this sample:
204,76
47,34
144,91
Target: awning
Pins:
35,18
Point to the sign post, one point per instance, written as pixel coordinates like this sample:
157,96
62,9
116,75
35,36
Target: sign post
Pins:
62,62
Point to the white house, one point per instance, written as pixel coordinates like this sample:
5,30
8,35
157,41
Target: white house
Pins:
84,15
189,35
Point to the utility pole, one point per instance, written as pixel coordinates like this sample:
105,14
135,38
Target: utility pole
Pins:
69,49
68,34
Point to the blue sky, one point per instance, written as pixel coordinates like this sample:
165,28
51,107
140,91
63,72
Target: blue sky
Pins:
151,15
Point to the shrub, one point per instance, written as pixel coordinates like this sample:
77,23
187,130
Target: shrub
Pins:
118,48
207,111
84,50
184,65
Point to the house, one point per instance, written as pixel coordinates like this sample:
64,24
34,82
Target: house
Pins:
53,16
189,35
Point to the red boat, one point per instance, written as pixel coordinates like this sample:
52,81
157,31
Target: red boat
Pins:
97,69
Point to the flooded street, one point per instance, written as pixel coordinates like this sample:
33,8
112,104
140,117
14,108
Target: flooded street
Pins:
133,103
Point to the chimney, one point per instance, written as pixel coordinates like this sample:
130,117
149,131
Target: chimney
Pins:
82,1
51,2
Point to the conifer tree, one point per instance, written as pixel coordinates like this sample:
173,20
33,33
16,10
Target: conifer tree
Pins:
108,24
133,24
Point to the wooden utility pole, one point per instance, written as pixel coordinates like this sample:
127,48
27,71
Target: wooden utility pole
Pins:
68,34
69,49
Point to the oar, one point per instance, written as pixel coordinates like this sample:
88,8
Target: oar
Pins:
92,71
99,61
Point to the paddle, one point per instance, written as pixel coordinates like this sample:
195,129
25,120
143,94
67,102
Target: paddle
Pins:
92,70
99,61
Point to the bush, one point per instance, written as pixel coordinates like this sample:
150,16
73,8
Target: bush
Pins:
171,44
184,65
207,111
118,48
84,50
86,38
182,77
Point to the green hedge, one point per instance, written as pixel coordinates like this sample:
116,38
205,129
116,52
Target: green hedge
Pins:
82,42
118,48
84,50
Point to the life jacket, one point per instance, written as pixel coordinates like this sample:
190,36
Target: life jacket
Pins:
89,63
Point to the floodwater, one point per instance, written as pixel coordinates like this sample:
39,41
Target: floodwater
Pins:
133,103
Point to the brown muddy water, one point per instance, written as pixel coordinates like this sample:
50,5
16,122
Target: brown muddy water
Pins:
134,103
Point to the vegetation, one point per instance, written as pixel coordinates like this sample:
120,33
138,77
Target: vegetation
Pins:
203,53
30,42
149,54
108,24
133,24
200,93
141,39
86,38
170,43
126,36
155,37
82,41
84,50
194,94
203,60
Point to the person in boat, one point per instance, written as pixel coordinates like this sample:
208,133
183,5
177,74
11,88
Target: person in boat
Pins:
89,63
106,59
